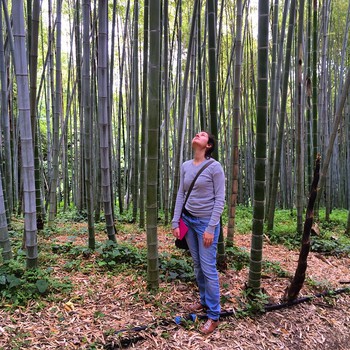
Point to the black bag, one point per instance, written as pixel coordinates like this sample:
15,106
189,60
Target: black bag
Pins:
182,243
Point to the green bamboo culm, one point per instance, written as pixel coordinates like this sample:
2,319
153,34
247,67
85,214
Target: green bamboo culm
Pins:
144,116
33,66
213,102
236,122
299,162
179,145
135,114
26,136
282,117
5,244
88,122
6,157
254,280
104,119
153,146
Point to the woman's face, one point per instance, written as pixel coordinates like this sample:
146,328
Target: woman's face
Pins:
201,139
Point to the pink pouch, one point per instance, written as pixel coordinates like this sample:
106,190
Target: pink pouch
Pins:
183,228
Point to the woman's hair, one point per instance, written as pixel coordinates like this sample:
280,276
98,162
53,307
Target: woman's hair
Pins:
212,142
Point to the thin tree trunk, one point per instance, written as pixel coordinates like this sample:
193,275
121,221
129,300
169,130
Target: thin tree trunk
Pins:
166,112
275,105
338,116
5,125
50,102
5,244
94,110
308,92
135,112
314,81
212,60
299,123
56,119
200,82
143,176
347,230
191,99
110,126
88,122
80,175
63,145
103,116
181,123
111,102
120,112
250,110
274,92
323,95
277,163
236,124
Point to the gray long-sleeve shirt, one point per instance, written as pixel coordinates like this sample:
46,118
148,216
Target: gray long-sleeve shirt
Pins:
207,198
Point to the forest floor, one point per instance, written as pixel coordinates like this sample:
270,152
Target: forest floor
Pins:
102,303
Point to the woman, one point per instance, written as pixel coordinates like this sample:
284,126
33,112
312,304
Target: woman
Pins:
202,217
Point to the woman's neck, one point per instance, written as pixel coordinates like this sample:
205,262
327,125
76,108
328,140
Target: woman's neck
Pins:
198,157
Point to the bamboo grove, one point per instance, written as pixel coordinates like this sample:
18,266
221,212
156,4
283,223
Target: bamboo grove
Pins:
100,99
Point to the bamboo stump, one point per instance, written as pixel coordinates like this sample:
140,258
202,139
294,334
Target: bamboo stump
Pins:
299,277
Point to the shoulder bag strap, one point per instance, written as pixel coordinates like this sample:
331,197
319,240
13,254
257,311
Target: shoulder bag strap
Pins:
194,180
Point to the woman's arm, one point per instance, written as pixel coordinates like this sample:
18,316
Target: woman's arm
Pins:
218,177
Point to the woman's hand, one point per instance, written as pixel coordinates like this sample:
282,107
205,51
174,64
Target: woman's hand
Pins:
208,239
176,232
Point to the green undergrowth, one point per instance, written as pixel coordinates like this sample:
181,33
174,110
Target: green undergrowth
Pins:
238,258
19,285
250,303
331,239
172,266
123,257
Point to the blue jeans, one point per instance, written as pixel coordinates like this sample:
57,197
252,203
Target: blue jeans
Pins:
204,261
